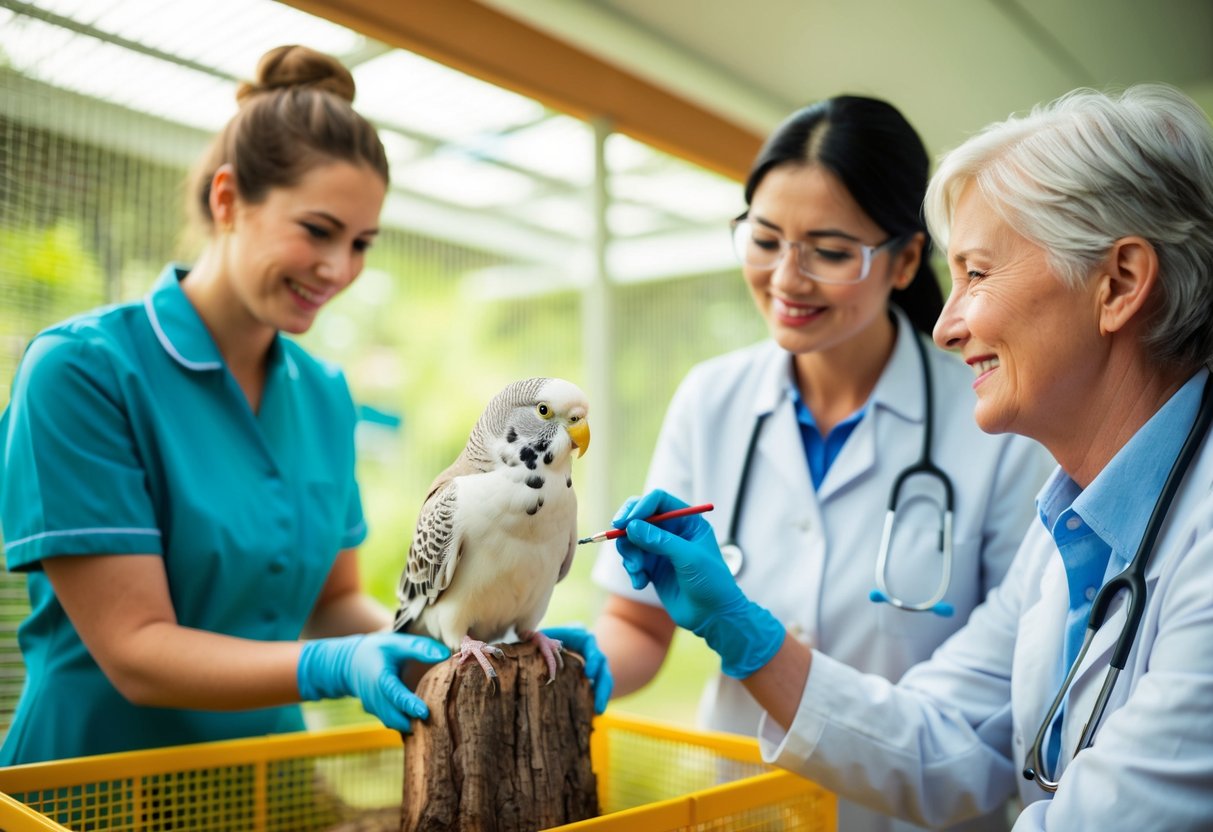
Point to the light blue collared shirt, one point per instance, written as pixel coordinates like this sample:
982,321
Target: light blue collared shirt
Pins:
1097,529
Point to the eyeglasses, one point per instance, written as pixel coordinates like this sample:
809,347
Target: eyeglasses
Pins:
826,259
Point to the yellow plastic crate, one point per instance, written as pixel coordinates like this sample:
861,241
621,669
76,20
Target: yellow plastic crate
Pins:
651,777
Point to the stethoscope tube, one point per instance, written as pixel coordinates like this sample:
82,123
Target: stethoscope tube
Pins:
1132,580
730,550
924,467
935,603
734,557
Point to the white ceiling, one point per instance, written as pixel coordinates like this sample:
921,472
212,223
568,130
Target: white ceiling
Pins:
951,66
487,168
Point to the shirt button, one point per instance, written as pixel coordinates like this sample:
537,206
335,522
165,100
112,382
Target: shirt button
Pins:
269,616
804,525
1074,523
277,566
1090,593
1018,740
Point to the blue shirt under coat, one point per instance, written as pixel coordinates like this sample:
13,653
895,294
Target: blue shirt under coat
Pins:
820,452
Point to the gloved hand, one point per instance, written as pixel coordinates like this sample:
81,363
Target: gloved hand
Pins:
682,561
580,640
368,666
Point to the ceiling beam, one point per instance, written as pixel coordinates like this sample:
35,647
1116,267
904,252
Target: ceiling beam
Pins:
502,50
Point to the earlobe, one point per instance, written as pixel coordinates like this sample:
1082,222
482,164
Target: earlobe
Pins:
1129,278
908,259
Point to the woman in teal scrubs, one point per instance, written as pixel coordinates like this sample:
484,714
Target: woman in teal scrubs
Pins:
178,477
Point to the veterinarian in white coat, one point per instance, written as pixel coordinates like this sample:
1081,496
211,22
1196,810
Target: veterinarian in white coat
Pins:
1080,241
842,351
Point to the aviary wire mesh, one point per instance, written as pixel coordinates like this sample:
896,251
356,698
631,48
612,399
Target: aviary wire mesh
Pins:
478,278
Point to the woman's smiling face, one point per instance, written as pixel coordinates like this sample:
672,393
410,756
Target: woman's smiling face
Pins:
1032,341
809,205
301,246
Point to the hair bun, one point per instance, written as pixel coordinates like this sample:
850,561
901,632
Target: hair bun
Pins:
298,66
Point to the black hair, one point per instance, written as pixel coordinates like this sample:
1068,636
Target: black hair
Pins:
868,144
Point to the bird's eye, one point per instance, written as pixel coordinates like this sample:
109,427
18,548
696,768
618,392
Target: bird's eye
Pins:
575,419
544,411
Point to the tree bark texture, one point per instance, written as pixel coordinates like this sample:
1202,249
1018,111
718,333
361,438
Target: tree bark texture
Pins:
506,760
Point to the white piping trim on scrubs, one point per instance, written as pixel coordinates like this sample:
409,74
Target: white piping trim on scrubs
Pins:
76,532
168,345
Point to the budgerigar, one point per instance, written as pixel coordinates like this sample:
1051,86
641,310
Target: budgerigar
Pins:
497,529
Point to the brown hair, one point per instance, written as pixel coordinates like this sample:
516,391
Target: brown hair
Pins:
295,116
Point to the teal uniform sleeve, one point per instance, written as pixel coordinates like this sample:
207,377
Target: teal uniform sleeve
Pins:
355,523
72,481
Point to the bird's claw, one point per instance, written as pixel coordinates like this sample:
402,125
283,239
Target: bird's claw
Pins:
552,650
474,649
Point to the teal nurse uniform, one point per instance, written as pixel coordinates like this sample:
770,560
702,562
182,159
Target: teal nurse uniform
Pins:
126,434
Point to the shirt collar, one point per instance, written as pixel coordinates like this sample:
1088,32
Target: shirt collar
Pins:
177,325
1118,502
184,336
899,388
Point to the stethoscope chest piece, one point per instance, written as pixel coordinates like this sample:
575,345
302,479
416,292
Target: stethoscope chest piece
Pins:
734,558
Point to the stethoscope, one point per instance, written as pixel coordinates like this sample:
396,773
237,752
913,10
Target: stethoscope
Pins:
734,557
1133,581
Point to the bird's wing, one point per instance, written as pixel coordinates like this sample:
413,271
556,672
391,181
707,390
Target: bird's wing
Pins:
568,557
433,555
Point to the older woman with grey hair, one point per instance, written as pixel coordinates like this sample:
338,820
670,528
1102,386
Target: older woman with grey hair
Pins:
1080,242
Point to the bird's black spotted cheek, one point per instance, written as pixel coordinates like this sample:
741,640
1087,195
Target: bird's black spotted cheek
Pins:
528,457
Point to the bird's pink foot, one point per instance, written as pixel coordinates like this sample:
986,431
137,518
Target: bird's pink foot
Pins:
552,651
471,648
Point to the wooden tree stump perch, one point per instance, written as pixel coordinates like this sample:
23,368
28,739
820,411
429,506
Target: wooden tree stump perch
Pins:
506,760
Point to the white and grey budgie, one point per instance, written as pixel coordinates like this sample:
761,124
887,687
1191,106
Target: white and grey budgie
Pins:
497,529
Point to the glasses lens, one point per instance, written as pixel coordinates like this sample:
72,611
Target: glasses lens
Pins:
825,259
757,246
834,260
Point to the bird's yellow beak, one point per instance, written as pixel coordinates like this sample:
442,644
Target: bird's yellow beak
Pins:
580,434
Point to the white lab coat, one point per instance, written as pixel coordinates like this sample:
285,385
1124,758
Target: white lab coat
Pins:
811,555
956,730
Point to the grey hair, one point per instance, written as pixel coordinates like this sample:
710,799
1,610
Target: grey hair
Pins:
1075,175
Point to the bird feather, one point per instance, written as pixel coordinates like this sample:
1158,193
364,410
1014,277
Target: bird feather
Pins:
497,529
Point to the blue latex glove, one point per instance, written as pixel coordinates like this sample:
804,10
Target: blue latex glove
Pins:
580,640
368,666
682,561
